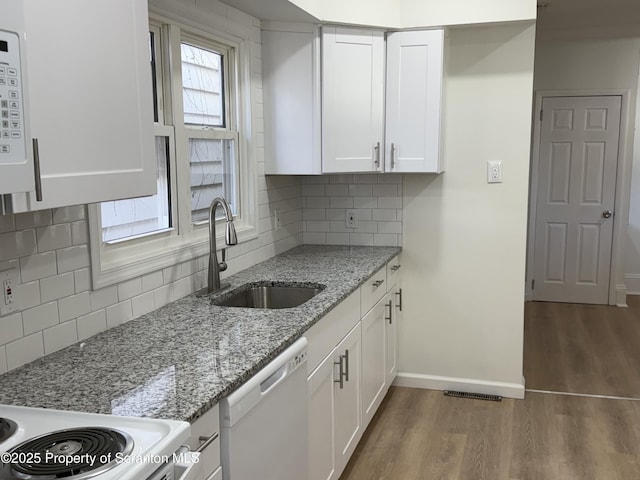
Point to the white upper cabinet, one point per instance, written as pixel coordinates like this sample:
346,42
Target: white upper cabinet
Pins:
90,101
415,68
352,100
325,97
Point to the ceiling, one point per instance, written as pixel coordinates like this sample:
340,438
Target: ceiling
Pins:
595,17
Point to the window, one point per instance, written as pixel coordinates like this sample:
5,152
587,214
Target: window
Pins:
199,109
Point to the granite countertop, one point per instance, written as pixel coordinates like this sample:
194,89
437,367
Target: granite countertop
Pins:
180,360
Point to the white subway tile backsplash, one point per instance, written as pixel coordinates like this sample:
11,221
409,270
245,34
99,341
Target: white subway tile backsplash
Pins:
385,190
386,240
316,202
390,227
370,178
38,266
7,223
60,336
361,190
73,258
119,313
314,214
365,202
384,214
312,238
341,178
54,237
28,295
89,325
337,190
25,350
103,298
163,295
367,227
336,214
3,360
11,328
17,244
390,178
74,306
40,218
142,304
318,226
82,279
365,239
53,288
69,214
389,202
79,233
313,190
129,289
40,317
341,202
335,238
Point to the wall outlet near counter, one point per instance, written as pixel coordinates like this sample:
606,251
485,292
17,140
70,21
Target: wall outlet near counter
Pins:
9,282
352,219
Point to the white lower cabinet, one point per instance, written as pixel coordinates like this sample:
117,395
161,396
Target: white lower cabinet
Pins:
374,375
206,429
335,424
352,360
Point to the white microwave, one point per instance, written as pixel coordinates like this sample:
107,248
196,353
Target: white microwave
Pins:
16,152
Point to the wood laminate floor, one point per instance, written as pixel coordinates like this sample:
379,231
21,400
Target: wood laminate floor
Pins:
421,434
593,349
585,349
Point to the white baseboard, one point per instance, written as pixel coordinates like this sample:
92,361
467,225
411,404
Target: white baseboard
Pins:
435,382
621,295
632,281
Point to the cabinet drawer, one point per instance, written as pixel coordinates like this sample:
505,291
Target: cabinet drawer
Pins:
373,290
331,329
205,427
393,271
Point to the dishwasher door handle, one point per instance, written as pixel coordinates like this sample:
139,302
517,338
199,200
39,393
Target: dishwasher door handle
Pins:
274,379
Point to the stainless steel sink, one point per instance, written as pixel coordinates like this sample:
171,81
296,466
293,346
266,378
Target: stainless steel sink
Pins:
270,296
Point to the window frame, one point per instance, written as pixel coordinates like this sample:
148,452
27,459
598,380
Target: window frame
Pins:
129,258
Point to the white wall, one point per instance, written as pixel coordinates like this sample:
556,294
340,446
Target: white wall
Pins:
418,13
604,65
50,249
465,240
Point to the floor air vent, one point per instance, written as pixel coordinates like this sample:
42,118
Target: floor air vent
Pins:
474,396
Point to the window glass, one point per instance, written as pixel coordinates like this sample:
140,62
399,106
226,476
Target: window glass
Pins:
202,86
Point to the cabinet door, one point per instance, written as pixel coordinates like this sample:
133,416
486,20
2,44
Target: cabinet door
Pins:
347,416
374,346
415,68
321,421
393,316
352,100
90,100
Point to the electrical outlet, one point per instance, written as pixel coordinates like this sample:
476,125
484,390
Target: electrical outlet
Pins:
494,171
352,219
276,220
8,280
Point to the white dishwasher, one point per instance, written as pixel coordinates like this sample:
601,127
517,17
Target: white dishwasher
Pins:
264,432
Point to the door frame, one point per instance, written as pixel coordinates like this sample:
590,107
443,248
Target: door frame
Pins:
617,287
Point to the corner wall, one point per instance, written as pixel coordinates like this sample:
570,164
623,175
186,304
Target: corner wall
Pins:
465,240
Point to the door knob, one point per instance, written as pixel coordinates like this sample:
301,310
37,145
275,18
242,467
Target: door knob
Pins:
607,213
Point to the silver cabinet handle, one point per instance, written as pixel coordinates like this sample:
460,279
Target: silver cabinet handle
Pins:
390,317
377,149
36,169
346,363
393,156
395,268
341,374
377,283
206,441
607,214
399,304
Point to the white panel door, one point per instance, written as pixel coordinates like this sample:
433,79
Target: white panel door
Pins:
352,100
90,100
576,192
415,68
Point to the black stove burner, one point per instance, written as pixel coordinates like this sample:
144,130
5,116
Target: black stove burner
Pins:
72,454
7,428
